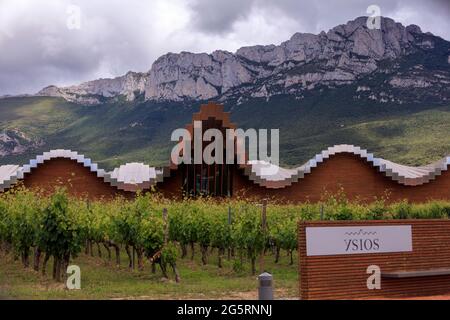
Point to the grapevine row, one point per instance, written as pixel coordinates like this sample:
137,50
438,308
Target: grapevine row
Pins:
158,230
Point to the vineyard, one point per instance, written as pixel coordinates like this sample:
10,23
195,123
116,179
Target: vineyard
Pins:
160,233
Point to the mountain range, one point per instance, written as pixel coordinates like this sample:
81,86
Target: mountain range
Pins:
348,85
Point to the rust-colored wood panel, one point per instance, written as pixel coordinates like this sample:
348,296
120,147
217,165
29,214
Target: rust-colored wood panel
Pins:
344,276
78,180
347,172
171,187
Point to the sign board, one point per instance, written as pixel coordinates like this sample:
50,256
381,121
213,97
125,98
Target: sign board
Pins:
323,241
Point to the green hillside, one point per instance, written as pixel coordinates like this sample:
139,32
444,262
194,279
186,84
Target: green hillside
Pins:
112,134
412,135
37,116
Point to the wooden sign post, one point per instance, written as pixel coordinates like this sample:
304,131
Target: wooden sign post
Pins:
357,259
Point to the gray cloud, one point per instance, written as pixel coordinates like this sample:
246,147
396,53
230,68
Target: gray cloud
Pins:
315,16
37,48
219,16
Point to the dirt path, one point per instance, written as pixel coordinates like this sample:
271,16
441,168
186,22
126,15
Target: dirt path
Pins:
280,294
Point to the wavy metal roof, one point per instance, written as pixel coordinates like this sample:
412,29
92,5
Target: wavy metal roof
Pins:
8,176
133,177
139,176
129,177
271,176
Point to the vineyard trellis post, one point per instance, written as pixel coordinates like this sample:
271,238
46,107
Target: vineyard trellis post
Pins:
263,229
88,241
229,226
166,225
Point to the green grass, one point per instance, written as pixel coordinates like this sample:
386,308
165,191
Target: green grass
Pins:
103,280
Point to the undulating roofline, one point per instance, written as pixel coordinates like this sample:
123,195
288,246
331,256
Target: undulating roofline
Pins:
128,177
404,175
139,176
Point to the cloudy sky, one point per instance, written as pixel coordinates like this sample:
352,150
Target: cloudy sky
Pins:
65,42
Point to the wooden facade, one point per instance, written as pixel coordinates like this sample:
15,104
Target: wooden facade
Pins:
346,169
349,174
77,180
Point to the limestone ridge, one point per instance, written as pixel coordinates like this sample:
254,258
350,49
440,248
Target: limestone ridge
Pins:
96,91
344,55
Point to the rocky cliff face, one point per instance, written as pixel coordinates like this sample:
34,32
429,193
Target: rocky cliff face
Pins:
94,92
13,142
343,55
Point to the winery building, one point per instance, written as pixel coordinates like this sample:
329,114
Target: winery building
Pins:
353,170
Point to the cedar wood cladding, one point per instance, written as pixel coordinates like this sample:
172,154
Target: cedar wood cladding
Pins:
340,168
